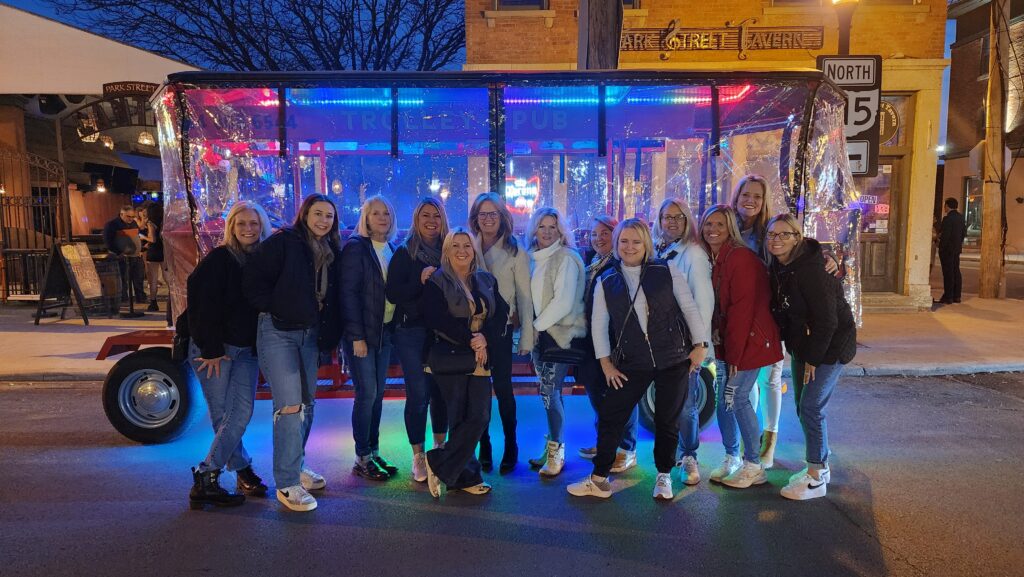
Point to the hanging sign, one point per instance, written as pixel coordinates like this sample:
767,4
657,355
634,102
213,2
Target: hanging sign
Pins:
861,78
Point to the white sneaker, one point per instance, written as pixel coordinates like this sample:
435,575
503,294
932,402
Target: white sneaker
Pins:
624,461
663,487
805,487
419,467
433,483
689,472
826,475
590,487
728,467
555,460
747,475
296,498
311,481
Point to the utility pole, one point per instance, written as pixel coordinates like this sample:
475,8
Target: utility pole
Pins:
600,29
994,171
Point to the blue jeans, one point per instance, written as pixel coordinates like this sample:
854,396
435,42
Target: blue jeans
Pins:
552,377
369,376
230,398
689,418
811,400
289,361
421,390
589,373
736,416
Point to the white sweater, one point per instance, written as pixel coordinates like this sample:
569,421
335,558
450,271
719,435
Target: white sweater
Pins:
513,275
693,261
600,319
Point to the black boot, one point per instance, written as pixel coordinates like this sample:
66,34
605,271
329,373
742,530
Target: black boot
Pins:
510,457
486,461
153,306
206,490
249,483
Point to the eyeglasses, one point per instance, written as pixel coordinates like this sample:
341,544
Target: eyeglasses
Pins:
782,235
493,215
673,217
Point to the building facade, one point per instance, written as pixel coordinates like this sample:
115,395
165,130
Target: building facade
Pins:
745,35
968,77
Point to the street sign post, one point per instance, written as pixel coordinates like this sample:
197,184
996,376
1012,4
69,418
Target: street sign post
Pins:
861,78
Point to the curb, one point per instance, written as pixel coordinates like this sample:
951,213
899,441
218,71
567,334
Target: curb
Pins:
53,377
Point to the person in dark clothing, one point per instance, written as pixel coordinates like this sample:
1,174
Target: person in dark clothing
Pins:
820,334
292,280
408,273
150,219
643,322
121,237
951,244
463,307
367,320
222,326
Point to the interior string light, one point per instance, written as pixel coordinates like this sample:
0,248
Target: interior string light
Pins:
700,96
353,102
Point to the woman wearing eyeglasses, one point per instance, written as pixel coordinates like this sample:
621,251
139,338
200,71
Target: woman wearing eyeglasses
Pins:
678,243
491,222
821,336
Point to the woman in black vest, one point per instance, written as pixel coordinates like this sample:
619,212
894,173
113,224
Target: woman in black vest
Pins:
222,327
367,321
292,280
409,271
643,308
467,315
820,335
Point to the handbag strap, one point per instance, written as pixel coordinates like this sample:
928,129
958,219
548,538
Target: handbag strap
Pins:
639,285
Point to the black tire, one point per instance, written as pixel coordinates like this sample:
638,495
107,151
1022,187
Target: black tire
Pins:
150,398
705,403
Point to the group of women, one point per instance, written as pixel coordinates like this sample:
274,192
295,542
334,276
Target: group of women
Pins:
632,311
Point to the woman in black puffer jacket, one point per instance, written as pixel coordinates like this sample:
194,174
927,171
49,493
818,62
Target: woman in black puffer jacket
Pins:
820,334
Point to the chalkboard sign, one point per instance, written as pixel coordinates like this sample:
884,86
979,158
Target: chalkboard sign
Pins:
70,271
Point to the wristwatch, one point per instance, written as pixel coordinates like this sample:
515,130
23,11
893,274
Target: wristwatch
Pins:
704,344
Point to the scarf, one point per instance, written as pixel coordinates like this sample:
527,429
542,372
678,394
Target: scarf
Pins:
424,252
323,256
596,264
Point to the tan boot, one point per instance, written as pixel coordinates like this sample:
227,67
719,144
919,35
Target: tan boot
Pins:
768,441
555,460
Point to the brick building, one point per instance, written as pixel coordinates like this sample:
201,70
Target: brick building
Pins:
966,129
769,35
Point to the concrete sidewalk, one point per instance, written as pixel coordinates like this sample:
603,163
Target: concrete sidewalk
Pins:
973,337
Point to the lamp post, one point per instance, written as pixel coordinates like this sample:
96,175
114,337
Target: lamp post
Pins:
844,14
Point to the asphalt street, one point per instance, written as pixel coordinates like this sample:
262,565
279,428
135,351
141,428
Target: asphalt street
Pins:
925,482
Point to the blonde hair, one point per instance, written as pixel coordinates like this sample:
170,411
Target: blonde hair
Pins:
414,239
363,225
794,225
731,226
446,254
641,229
760,224
690,234
505,229
230,240
539,215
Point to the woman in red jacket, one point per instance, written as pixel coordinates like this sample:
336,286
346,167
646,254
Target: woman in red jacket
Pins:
745,338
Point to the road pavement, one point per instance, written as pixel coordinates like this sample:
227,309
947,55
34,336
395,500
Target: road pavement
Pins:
925,482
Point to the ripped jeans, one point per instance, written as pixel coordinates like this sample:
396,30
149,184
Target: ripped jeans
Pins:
289,361
552,377
736,416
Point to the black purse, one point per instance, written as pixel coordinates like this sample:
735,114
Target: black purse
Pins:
447,358
550,352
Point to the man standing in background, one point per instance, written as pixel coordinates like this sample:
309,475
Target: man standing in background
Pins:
951,243
121,236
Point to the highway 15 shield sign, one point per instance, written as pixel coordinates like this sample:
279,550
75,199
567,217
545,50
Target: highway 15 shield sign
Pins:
861,78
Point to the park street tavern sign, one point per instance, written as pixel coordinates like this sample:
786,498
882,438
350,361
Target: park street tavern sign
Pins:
740,36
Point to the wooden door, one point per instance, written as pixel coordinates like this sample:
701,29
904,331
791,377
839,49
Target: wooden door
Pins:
880,226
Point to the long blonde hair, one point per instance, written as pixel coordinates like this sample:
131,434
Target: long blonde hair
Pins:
565,239
690,234
446,255
414,239
760,223
363,226
731,226
230,240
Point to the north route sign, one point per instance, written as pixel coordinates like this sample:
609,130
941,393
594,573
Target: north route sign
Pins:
861,78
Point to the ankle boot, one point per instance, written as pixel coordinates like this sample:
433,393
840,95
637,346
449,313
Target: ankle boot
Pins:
206,490
768,441
485,458
509,457
249,483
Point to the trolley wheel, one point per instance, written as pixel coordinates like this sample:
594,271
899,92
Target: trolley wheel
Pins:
150,398
705,402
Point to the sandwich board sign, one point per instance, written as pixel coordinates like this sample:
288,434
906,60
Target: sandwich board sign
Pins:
861,78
